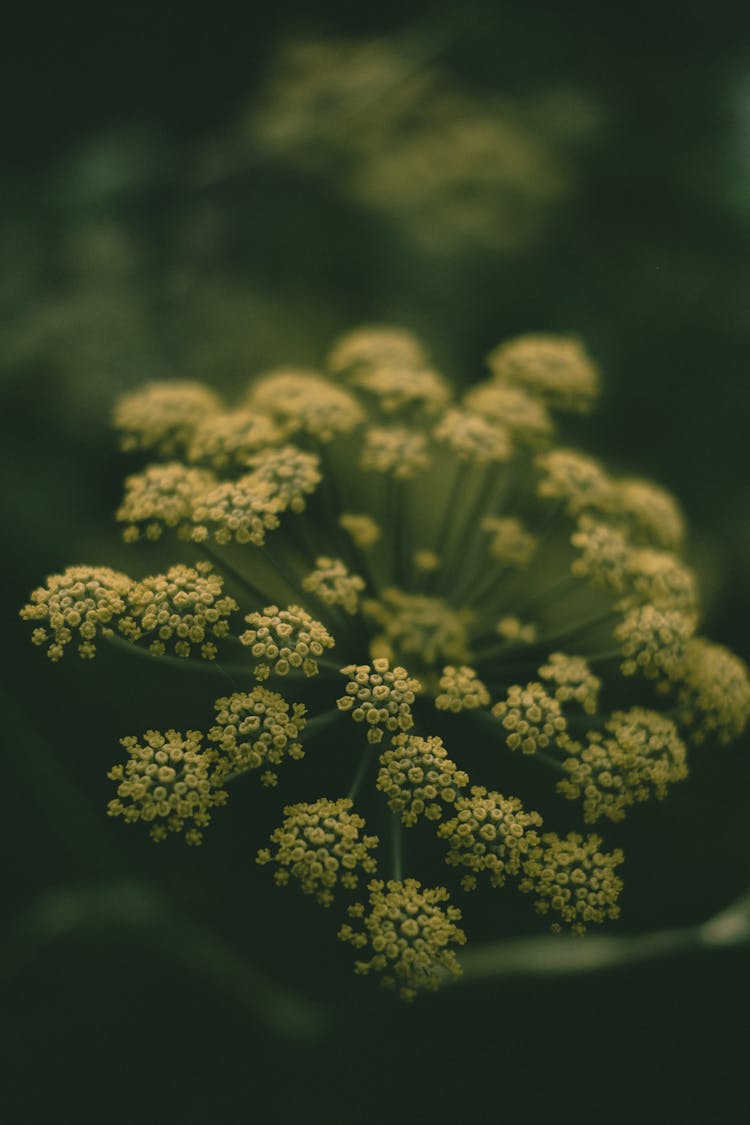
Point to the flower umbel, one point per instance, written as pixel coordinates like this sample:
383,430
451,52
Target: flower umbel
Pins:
321,846
497,602
409,934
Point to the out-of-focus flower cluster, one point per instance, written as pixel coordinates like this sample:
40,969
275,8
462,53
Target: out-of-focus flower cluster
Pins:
382,116
445,585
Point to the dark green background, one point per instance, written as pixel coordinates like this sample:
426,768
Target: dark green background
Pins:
648,260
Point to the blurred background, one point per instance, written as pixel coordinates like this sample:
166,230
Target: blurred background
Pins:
206,196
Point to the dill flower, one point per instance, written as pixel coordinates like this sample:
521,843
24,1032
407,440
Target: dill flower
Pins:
363,529
409,934
605,555
511,543
181,608
515,630
482,589
473,438
713,691
257,728
650,514
395,450
376,346
418,778
461,690
82,601
321,845
290,473
379,696
283,640
573,679
305,402
489,833
653,641
163,416
242,510
572,877
554,368
578,481
406,389
333,584
169,782
162,497
532,718
527,420
228,440
638,756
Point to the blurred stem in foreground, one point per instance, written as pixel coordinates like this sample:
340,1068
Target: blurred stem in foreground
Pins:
559,955
125,907
130,906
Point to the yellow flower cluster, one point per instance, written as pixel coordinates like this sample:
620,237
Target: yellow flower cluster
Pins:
169,782
604,555
334,585
162,496
489,833
291,474
512,544
575,480
461,690
395,451
418,626
321,846
163,416
640,759
573,679
379,696
363,529
401,389
661,579
515,631
240,511
389,368
426,561
650,515
228,440
554,368
471,437
418,778
653,641
304,402
376,346
180,609
285,640
572,877
531,717
526,419
257,729
409,934
713,692
83,601
494,564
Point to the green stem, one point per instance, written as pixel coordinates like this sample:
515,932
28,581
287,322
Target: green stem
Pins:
563,584
397,844
320,722
600,618
134,649
230,571
362,768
